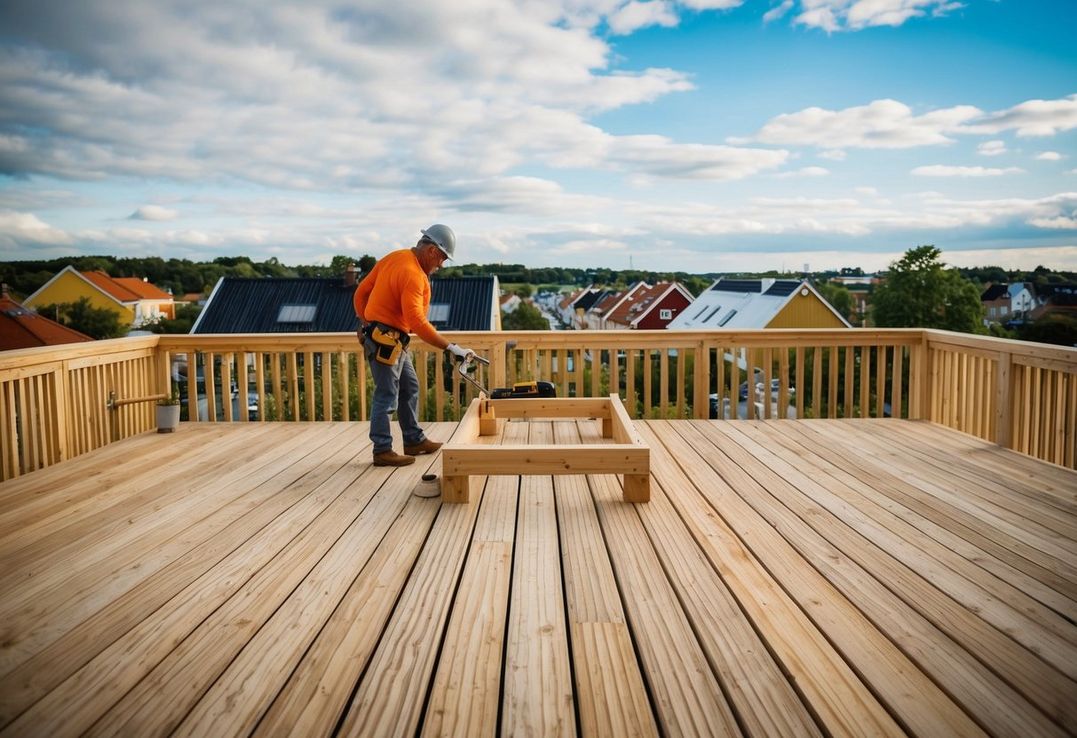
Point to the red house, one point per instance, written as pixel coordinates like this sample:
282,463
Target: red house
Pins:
650,308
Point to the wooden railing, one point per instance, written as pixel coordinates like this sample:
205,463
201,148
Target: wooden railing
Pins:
60,402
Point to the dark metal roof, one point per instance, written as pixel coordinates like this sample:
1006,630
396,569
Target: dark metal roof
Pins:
253,305
782,288
586,301
471,302
738,285
993,292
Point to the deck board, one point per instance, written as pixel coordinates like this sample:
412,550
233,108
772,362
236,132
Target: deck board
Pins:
828,577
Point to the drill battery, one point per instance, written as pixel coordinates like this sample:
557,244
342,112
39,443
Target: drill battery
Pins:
525,389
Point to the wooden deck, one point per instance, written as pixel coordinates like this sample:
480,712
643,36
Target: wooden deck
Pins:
787,578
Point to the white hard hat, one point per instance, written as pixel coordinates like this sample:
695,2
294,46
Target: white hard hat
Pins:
441,236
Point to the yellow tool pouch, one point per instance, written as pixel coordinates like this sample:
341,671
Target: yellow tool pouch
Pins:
388,345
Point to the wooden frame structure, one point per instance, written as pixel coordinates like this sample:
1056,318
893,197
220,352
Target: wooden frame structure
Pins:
462,458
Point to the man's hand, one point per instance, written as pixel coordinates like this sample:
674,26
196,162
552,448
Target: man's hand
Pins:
461,354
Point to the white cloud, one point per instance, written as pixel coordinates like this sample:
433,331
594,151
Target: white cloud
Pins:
778,11
832,154
890,124
635,15
1049,156
153,212
943,170
854,15
1059,222
881,124
1032,118
27,228
804,172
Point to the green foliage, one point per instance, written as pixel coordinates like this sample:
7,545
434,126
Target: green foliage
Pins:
920,292
85,318
1052,328
526,317
186,315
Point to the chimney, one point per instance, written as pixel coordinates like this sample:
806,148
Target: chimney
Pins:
349,275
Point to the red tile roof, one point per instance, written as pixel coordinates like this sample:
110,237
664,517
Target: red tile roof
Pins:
126,289
22,328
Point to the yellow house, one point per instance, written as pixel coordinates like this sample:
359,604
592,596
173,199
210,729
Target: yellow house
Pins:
136,301
759,303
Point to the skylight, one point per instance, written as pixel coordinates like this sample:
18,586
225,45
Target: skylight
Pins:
296,313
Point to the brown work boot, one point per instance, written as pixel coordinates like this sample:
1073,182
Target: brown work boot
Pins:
392,458
426,447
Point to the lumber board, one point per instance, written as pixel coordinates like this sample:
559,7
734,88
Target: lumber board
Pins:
885,486
77,646
1039,628
238,699
1046,483
1034,678
317,692
124,662
611,697
465,694
537,694
196,662
759,691
990,489
389,698
687,698
939,492
770,527
85,574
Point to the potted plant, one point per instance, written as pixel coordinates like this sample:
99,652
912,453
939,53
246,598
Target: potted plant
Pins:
168,412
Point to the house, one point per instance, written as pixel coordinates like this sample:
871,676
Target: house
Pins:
324,305
747,304
135,300
1003,303
650,307
1056,299
509,302
22,328
583,304
566,309
594,317
612,304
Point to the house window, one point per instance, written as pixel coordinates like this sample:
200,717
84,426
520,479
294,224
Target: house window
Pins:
665,314
1003,310
296,313
439,312
991,312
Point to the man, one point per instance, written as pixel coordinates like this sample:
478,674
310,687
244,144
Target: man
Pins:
391,302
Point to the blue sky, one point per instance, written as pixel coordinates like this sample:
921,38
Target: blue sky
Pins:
695,135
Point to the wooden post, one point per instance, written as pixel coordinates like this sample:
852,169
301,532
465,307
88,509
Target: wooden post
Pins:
1004,400
456,489
487,417
637,488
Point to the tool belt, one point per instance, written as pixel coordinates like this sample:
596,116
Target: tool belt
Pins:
389,342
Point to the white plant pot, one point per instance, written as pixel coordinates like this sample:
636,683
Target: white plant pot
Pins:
168,418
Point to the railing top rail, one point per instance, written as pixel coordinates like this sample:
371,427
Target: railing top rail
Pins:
1002,345
17,358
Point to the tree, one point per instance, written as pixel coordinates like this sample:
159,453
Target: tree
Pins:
1057,329
526,317
85,318
920,292
839,298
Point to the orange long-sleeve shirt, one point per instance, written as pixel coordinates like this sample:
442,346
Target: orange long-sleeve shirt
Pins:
397,293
